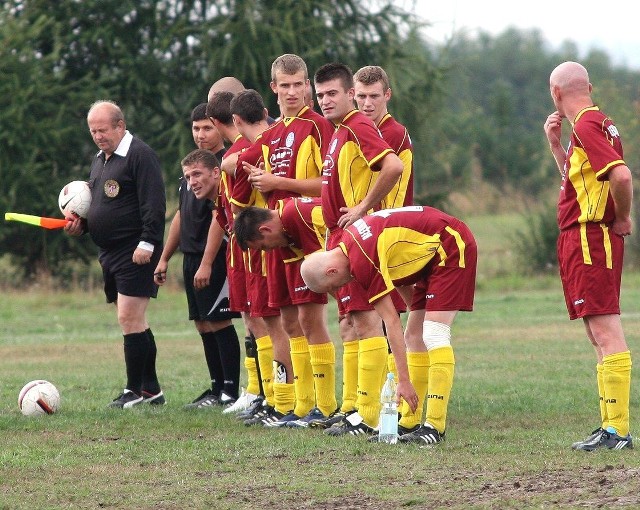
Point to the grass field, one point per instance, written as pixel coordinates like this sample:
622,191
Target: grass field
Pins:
524,390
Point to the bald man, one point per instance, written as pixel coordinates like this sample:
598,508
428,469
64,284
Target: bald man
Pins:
430,258
225,84
594,210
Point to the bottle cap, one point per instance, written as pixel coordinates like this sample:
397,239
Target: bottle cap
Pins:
390,376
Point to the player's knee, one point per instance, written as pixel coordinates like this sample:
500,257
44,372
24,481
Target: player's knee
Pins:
436,335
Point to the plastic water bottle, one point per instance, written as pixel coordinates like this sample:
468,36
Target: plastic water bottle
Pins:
388,426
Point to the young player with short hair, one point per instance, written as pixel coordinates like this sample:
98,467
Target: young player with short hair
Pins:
294,148
359,171
219,111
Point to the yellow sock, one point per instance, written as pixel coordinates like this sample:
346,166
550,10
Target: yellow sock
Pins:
349,376
616,377
302,375
265,362
284,396
419,376
253,383
603,404
372,362
441,368
323,362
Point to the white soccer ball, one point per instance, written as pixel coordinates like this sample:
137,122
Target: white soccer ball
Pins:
38,397
75,199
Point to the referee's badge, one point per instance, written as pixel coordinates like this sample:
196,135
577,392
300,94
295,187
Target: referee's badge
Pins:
111,188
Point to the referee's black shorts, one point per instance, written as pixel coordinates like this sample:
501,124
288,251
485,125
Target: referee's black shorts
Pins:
122,276
212,302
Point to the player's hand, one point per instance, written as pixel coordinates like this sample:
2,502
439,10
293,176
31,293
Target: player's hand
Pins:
160,273
202,277
141,256
406,391
553,129
264,182
252,169
74,227
622,226
350,215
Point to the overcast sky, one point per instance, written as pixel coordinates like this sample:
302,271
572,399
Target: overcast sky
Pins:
607,25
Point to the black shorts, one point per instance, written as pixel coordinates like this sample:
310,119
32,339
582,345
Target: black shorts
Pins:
212,302
122,276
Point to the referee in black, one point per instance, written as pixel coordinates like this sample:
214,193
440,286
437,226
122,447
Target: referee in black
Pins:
126,220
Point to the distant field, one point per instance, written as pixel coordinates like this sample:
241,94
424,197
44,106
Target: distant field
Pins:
494,234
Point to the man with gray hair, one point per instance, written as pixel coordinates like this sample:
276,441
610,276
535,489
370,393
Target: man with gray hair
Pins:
126,221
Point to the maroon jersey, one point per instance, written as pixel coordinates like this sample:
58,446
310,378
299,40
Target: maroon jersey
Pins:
397,136
227,183
243,194
394,247
295,149
594,149
303,224
350,165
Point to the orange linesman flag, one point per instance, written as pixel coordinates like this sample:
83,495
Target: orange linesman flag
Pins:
38,221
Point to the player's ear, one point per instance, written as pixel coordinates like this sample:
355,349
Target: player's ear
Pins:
264,228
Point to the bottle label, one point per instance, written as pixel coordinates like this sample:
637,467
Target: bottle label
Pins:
388,423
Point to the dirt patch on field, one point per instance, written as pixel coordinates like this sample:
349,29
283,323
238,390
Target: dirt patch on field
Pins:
606,487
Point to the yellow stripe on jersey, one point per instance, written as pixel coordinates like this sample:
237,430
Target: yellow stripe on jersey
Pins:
607,245
584,242
308,163
356,176
309,159
396,197
591,194
256,200
461,247
251,254
319,226
405,252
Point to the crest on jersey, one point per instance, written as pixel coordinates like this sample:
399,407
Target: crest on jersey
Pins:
290,139
111,188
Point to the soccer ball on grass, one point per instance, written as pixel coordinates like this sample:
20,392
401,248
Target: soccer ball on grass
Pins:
38,397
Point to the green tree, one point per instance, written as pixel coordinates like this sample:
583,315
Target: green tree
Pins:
157,60
39,139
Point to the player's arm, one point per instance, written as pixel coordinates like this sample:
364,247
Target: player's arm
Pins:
229,163
387,312
621,189
147,173
391,168
170,247
214,241
553,130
